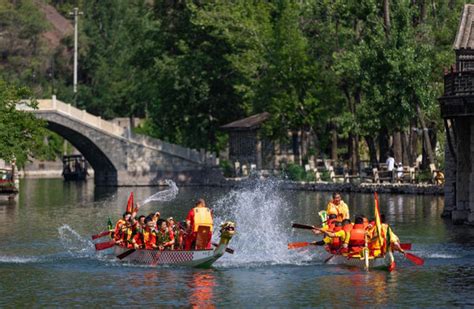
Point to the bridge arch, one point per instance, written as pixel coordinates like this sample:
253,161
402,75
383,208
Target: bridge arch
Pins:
104,170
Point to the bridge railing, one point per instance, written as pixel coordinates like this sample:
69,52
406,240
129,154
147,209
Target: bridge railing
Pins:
81,115
111,128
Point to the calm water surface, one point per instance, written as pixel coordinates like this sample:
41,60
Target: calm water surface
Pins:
47,258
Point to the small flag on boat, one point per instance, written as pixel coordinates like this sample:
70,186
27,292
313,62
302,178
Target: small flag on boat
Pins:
378,223
110,226
324,217
130,203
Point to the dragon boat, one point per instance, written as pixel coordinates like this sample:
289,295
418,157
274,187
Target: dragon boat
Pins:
363,261
192,258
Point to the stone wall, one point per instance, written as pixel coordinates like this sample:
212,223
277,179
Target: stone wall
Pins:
427,189
449,182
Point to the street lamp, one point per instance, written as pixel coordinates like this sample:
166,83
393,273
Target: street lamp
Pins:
76,14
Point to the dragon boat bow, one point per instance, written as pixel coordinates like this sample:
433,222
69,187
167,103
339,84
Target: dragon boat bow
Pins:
192,258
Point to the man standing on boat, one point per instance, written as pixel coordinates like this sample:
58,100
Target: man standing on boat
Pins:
338,207
199,222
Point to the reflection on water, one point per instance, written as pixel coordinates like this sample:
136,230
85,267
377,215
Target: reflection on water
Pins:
47,259
202,286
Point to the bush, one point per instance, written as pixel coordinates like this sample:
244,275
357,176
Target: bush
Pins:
424,176
226,168
297,173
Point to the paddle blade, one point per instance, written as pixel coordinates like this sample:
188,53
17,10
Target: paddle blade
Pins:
302,226
328,259
391,267
295,245
104,245
405,246
415,259
125,254
228,250
101,234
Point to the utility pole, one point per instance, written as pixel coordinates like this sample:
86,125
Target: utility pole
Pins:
76,14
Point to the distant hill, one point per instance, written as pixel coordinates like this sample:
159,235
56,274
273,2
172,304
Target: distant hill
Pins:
61,26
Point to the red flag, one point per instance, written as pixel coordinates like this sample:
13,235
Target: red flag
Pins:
130,203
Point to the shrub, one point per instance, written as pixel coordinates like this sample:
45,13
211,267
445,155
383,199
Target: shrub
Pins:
226,168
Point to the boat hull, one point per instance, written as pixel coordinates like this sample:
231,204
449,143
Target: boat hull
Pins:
380,263
194,258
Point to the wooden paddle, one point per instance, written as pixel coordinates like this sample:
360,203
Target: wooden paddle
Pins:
406,246
101,234
328,259
296,245
125,254
415,259
228,250
302,226
104,245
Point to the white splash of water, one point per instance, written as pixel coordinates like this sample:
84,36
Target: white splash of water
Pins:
165,195
263,228
74,243
18,259
439,256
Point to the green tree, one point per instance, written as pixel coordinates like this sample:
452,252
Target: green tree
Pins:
20,131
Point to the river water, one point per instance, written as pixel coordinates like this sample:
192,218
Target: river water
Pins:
47,258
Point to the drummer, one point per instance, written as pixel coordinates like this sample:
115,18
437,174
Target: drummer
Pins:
337,207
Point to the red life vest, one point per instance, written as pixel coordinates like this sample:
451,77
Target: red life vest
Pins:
357,236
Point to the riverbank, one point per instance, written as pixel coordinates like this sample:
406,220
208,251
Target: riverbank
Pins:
394,188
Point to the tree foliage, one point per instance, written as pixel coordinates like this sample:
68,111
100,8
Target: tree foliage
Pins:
190,67
20,132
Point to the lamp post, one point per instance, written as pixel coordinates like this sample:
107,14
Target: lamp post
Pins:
76,14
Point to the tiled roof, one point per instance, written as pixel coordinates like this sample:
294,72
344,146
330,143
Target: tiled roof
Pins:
247,123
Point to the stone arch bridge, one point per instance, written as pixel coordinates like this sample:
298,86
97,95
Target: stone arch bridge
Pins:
122,160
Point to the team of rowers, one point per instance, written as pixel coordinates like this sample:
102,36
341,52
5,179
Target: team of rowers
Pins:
151,232
344,237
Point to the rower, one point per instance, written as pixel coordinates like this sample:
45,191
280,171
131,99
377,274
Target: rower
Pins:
335,238
147,237
199,222
338,207
357,237
329,226
389,235
117,235
164,239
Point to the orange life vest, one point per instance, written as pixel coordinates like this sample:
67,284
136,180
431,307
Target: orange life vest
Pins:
202,217
149,239
357,236
347,228
118,229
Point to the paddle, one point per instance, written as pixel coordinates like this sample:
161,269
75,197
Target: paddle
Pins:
125,254
104,245
328,259
101,234
413,258
295,245
228,250
302,226
406,246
